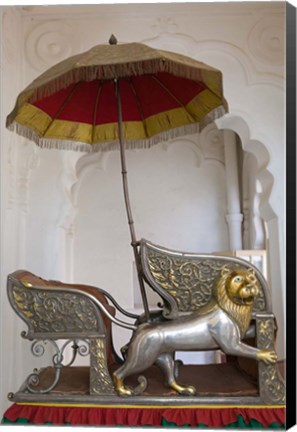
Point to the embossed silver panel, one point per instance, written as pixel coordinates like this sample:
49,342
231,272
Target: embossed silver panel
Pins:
54,311
185,281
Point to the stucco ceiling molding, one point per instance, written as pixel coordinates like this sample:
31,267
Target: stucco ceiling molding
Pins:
266,40
201,50
252,75
49,43
165,24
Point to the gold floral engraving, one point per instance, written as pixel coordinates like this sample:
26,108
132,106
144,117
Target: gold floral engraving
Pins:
265,334
54,312
190,280
100,380
272,385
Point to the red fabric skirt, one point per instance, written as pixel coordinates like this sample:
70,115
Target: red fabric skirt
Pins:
141,416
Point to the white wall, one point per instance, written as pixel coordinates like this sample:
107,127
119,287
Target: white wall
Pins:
57,219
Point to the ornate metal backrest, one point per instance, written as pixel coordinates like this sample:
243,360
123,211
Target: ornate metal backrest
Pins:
53,311
185,281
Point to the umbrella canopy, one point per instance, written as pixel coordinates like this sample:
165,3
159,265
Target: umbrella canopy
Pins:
127,95
163,95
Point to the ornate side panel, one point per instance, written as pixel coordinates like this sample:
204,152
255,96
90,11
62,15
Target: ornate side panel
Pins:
59,313
100,380
272,386
186,281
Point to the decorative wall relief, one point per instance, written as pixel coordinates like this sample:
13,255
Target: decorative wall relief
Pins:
266,40
165,25
212,143
49,43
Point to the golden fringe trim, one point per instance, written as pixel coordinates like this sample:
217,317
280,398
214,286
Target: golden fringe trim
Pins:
64,144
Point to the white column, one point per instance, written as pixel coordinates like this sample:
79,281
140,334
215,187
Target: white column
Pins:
234,216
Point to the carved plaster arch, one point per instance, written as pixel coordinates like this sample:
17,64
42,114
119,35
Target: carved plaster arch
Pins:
255,147
99,160
264,179
189,143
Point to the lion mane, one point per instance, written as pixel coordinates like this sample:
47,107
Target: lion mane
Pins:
240,312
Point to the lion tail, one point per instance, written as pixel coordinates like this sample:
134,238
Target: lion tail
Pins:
141,386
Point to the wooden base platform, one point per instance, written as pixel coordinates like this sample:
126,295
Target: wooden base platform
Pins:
214,379
225,397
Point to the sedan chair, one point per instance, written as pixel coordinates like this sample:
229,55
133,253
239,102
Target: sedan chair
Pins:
84,316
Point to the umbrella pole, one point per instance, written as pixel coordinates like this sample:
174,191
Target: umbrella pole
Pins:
134,242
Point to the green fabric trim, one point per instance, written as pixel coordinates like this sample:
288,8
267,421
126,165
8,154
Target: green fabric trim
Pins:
253,424
19,420
26,421
239,424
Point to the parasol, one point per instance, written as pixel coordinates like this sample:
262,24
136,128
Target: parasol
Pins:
119,96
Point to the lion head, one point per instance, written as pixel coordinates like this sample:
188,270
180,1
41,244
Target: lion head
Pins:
236,291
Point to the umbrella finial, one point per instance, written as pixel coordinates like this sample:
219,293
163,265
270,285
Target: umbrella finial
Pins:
113,40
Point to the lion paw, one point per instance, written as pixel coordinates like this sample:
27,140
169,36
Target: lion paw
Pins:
189,391
124,391
268,357
183,390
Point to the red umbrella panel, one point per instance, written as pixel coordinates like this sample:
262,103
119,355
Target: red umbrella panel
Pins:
154,107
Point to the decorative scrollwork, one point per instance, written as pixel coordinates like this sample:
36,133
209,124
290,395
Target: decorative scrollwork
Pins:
38,349
83,350
55,312
50,42
190,280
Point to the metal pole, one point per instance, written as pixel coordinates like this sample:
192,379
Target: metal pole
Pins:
134,242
